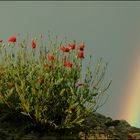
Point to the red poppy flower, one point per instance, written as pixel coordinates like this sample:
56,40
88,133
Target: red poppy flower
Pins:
1,40
62,48
68,64
81,47
12,39
50,57
80,54
33,44
67,49
72,46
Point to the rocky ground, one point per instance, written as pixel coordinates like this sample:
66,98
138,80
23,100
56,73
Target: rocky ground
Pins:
96,126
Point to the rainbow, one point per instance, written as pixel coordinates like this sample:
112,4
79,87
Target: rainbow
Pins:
131,101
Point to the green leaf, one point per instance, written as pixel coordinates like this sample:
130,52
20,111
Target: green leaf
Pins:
62,92
24,113
71,89
80,121
58,81
9,93
22,45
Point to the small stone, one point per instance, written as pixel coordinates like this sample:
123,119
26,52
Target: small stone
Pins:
112,127
32,132
130,136
82,135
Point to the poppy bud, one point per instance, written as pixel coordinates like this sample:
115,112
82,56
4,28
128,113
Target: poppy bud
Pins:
50,57
42,81
62,48
64,60
68,64
45,65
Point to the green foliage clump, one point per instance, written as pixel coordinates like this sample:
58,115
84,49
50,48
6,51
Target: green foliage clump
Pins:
45,83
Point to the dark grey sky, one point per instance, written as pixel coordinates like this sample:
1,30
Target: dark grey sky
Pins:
115,24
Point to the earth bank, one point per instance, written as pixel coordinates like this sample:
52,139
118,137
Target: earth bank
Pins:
96,126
